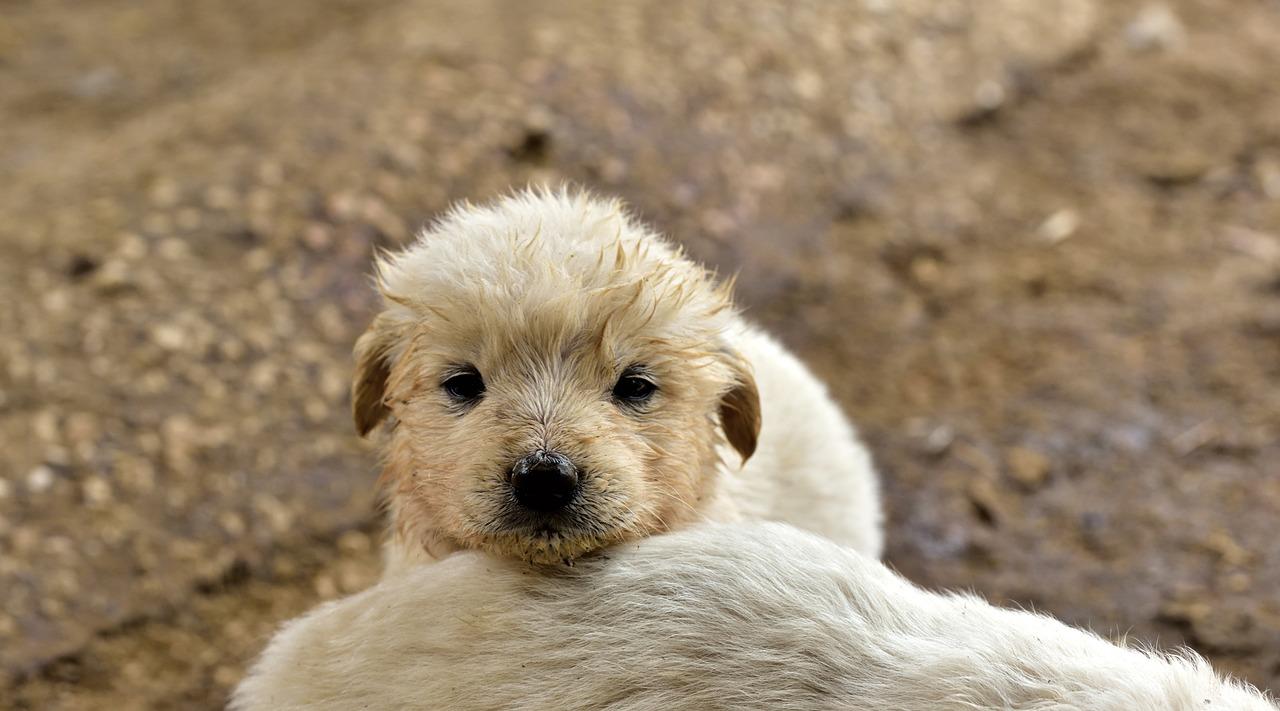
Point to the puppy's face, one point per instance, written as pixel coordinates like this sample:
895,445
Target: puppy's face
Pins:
551,394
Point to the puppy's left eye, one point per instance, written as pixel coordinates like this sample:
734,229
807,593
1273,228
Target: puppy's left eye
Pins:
634,387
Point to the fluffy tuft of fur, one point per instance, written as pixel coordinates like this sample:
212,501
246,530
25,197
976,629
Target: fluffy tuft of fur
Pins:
550,296
745,616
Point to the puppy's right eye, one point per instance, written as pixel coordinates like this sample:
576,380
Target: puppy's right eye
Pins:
464,386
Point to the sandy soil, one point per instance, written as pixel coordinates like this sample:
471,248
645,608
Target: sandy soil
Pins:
1034,247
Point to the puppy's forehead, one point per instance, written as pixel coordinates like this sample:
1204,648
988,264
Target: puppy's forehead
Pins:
542,272
531,239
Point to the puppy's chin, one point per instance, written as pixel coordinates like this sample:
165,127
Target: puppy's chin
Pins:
546,546
595,519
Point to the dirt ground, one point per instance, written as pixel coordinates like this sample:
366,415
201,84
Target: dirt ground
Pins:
1034,248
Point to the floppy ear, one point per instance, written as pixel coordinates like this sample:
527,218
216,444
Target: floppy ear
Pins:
740,411
373,367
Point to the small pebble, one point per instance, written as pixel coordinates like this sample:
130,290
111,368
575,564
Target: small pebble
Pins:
96,490
1156,28
40,479
1059,226
1029,467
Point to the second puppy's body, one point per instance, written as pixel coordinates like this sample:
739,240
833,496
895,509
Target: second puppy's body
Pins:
561,378
738,616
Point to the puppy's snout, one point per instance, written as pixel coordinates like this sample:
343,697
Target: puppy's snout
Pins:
544,481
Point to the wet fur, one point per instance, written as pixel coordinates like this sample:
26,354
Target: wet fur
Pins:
551,295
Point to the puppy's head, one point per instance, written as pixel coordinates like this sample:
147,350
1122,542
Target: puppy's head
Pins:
559,378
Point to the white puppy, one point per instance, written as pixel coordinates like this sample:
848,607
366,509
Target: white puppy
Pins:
740,616
560,378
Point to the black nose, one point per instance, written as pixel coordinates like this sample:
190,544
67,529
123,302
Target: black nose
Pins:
544,481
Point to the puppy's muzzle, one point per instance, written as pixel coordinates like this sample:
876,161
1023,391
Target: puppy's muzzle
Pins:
544,481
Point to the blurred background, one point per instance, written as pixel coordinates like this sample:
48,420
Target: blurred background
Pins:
1033,246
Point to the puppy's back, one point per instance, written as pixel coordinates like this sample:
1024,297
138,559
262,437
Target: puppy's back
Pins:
716,617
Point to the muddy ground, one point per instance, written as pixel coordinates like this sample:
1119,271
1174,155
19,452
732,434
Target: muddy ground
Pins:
1034,248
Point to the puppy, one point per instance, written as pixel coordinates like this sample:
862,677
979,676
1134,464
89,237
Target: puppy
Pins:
718,616
559,378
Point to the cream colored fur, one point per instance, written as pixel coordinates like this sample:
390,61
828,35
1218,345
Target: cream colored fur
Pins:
741,616
810,469
550,296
